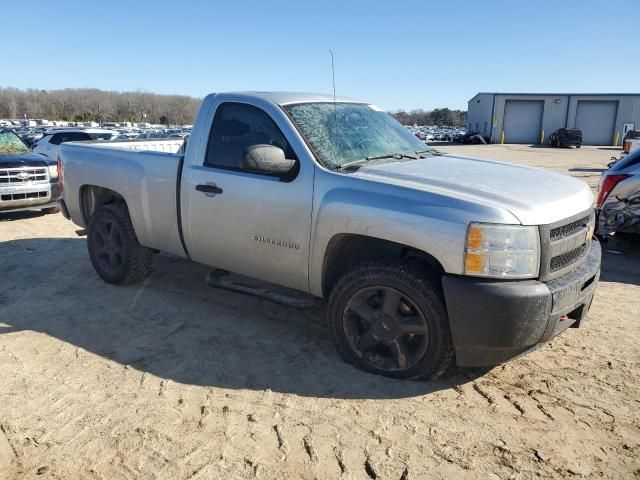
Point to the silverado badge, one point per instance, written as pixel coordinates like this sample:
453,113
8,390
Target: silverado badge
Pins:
279,243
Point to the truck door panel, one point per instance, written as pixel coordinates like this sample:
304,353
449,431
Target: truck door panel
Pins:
246,222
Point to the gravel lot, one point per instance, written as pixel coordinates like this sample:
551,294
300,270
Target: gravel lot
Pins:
172,379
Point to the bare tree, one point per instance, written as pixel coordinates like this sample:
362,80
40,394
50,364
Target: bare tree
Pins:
98,105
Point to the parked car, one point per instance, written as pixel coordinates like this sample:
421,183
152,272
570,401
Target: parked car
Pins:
618,204
470,138
101,134
28,181
49,144
33,135
423,257
563,137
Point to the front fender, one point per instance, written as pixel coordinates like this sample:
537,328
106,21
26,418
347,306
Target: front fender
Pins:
428,222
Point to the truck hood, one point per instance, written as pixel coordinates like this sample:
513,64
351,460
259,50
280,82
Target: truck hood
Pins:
533,195
27,159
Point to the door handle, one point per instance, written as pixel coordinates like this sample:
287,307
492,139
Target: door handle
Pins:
209,189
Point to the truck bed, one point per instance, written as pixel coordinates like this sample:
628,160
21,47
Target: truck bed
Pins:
144,173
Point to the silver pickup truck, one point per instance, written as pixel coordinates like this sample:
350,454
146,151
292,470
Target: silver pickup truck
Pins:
423,257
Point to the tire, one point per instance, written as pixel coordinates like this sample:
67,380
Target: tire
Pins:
579,145
50,210
116,255
365,289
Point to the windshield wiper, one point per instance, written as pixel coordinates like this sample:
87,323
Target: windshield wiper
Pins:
396,155
352,163
432,151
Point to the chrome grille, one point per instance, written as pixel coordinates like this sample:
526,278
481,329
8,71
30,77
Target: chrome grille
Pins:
23,175
23,196
567,258
569,229
564,245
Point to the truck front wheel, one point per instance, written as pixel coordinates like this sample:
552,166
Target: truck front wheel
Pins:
114,250
389,318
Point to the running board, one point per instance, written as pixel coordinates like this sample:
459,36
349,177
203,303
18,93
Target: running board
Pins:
248,286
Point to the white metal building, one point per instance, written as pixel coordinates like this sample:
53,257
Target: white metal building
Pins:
604,118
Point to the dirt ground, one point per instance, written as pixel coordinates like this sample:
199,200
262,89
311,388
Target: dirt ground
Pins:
173,379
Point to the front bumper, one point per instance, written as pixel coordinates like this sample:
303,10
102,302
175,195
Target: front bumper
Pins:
493,321
48,196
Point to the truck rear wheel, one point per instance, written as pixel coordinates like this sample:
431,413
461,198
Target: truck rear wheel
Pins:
115,253
389,318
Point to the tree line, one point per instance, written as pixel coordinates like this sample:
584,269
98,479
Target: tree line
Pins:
437,116
91,104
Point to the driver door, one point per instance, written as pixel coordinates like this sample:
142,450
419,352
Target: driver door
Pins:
246,222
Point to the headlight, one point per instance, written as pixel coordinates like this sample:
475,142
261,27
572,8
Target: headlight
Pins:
502,251
53,171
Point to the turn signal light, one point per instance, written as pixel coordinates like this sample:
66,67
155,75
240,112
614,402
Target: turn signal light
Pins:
474,263
475,237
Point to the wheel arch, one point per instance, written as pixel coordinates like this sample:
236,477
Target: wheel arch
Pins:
93,196
346,250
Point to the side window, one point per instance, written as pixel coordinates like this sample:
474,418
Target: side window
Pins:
235,128
78,137
56,139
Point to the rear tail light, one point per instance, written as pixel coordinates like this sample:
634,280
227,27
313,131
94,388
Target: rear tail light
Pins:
610,181
60,174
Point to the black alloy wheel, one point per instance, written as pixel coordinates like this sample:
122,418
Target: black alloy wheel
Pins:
109,245
115,252
386,329
389,317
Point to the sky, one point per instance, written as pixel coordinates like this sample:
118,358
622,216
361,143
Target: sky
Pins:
396,54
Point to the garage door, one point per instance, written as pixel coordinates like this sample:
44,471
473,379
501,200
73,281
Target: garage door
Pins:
597,121
523,121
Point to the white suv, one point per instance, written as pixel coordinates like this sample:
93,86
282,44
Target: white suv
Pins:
49,144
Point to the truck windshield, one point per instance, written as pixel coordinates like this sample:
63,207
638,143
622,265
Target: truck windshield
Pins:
342,133
11,143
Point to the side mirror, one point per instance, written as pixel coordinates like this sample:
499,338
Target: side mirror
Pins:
266,159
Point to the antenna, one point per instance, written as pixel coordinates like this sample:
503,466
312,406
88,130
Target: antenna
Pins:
335,105
333,77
